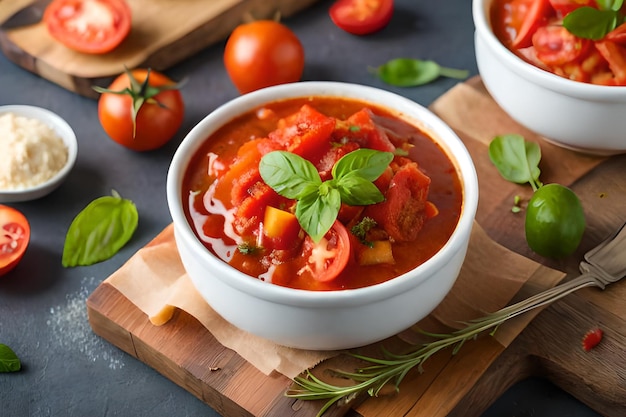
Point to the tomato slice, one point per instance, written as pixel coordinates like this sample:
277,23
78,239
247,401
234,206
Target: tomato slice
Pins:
14,238
526,16
89,26
325,260
361,17
555,45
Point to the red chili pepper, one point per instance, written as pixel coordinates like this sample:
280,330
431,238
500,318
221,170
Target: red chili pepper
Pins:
591,339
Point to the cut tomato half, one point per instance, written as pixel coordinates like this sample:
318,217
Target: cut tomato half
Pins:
326,259
555,46
361,17
89,26
14,238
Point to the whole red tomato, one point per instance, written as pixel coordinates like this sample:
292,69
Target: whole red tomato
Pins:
141,109
261,54
14,238
89,26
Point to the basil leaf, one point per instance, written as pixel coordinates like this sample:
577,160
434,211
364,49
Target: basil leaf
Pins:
358,191
367,163
590,23
289,175
516,159
9,362
406,72
99,231
316,212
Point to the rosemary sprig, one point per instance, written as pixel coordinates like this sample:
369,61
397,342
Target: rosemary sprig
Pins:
392,368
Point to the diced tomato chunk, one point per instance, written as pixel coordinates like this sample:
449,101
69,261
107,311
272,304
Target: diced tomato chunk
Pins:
305,133
615,55
402,214
360,128
563,7
526,16
252,209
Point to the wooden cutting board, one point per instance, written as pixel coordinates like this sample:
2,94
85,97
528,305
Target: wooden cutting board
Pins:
185,352
163,33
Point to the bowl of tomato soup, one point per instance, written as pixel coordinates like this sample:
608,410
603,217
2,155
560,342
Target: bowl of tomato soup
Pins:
322,215
554,70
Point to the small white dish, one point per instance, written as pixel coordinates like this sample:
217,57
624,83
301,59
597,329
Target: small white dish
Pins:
64,131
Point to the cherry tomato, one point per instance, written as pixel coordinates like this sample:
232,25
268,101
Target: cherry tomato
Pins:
261,54
525,16
89,26
14,238
157,119
555,45
555,221
361,17
325,260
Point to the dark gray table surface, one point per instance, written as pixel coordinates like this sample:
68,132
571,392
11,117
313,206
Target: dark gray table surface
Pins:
69,371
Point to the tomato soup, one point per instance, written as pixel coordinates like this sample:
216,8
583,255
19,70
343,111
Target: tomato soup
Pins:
570,38
258,228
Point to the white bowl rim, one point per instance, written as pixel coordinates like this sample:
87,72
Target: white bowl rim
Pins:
298,297
56,122
586,91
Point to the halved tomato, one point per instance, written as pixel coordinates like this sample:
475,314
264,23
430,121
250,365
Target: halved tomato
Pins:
361,17
555,46
326,259
89,26
14,238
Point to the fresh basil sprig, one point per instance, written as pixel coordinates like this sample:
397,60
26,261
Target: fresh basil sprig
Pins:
319,202
9,362
407,72
100,230
516,159
591,23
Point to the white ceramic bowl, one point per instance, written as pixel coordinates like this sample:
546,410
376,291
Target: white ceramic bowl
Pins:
64,131
584,117
322,320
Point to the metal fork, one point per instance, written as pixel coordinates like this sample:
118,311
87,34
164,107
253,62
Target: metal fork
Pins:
603,265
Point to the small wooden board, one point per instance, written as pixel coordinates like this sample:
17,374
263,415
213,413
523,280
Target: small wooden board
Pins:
163,33
550,346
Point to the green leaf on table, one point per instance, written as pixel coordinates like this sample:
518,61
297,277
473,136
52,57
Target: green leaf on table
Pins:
407,72
516,159
9,362
99,231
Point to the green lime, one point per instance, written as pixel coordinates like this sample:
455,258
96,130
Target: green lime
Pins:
555,221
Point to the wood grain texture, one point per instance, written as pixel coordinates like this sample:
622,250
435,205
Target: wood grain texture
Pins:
550,346
163,33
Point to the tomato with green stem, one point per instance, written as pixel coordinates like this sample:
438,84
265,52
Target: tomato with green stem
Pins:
141,109
89,26
361,17
14,238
